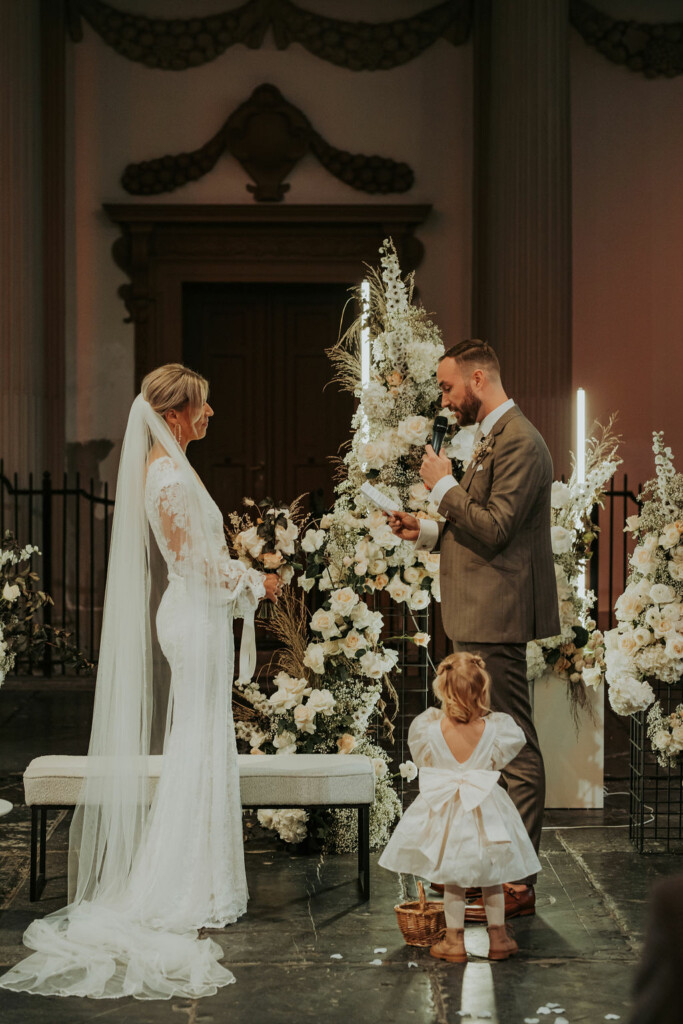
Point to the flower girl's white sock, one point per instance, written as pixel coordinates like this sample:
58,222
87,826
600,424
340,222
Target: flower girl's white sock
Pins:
494,904
454,906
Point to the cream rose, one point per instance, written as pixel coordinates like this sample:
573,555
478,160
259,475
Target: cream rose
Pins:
272,559
375,454
323,622
413,430
380,581
419,599
592,676
371,665
421,639
346,743
304,718
629,605
380,766
306,582
11,592
313,539
249,542
352,643
674,645
399,590
321,702
342,601
314,658
669,536
408,770
285,743
285,537
643,560
412,574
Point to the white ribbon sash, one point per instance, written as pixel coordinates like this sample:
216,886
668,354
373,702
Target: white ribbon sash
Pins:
439,786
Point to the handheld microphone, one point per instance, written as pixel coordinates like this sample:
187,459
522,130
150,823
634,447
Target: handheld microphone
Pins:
439,432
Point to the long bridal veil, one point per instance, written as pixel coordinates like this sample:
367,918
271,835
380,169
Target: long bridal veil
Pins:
145,874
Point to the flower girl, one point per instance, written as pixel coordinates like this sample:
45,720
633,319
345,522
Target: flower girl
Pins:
463,829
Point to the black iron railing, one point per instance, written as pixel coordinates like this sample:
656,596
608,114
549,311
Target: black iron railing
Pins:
71,525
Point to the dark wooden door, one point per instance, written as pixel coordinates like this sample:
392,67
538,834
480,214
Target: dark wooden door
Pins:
262,347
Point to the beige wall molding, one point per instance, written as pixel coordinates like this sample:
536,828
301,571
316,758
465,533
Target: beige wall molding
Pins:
268,136
164,246
176,44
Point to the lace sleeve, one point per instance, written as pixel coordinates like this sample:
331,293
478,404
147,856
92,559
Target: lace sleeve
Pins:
245,586
169,518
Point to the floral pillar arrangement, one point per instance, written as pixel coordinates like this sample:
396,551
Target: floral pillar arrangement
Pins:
647,644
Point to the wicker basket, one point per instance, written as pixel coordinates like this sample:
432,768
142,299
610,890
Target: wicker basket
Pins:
421,921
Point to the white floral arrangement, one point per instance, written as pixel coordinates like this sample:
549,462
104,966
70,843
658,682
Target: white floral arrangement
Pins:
20,635
647,643
577,653
265,537
665,732
332,686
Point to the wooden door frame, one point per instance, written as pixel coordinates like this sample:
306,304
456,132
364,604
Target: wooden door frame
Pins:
162,246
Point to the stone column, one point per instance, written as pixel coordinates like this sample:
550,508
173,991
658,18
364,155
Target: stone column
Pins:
21,371
522,206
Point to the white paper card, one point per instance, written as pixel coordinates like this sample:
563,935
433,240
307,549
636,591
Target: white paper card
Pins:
379,499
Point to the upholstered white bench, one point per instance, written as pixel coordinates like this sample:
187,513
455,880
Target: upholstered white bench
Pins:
54,782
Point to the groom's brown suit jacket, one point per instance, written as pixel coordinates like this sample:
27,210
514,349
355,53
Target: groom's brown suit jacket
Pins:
497,570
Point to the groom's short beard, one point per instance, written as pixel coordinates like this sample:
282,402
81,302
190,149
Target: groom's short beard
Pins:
469,408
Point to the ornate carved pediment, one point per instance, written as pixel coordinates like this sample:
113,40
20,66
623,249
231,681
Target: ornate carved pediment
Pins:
268,136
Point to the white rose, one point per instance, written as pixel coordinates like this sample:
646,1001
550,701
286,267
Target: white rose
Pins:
285,743
408,770
661,594
249,541
628,695
629,605
321,702
632,524
676,570
324,622
285,537
304,718
380,766
661,739
413,430
643,560
343,600
371,665
421,639
377,566
561,539
331,647
419,600
313,539
375,454
360,568
592,676
412,574
380,581
399,590
461,444
642,636
352,643
559,495
306,583
674,645
361,615
326,521
627,642
11,592
436,588
669,537
314,658
419,493
384,536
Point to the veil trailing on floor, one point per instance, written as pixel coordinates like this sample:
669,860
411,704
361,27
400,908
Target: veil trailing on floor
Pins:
145,876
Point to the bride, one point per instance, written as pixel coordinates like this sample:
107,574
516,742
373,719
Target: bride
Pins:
145,876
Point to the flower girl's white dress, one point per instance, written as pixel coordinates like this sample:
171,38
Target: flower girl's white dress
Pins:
462,828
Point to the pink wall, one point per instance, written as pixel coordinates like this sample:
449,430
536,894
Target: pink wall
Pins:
627,156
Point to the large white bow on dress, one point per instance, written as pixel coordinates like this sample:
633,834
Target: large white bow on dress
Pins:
439,786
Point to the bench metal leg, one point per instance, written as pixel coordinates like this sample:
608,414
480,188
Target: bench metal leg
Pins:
38,848
364,850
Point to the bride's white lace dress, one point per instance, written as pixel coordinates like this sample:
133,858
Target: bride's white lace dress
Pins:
132,928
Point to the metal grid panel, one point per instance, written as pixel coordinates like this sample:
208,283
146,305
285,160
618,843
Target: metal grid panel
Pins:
656,793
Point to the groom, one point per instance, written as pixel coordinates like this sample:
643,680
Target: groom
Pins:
498,587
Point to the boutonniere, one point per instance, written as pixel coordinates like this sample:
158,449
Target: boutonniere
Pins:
482,448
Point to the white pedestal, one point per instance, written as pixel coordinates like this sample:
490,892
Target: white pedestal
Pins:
574,764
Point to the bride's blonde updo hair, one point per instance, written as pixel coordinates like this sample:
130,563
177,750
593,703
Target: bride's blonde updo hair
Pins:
175,386
463,686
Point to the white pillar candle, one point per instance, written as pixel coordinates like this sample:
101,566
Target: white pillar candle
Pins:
365,335
581,436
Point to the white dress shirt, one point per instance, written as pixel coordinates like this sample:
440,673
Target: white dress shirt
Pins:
429,530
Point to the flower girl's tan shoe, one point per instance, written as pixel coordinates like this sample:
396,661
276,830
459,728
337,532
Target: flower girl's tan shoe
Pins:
451,946
501,943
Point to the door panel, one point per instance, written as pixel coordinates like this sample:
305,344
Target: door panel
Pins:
262,347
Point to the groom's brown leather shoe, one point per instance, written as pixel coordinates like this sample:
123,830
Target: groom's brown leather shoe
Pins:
518,903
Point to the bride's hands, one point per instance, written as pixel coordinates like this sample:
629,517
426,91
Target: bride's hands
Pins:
273,585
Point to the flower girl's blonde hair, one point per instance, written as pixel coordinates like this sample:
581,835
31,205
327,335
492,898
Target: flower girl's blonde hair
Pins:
463,686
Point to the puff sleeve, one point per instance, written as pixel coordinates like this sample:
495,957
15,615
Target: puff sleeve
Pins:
508,741
418,737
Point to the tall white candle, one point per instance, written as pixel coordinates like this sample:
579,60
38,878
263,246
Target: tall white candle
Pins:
365,335
580,436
